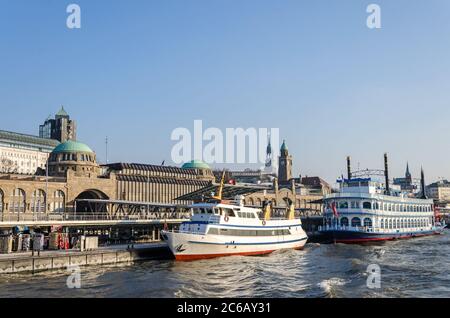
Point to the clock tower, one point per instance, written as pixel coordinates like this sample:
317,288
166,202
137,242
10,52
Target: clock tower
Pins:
284,165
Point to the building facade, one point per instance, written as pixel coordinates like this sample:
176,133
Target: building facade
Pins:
61,128
439,191
74,176
23,154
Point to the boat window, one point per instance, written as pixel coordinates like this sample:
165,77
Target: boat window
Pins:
356,222
367,205
368,222
228,212
343,205
235,232
213,230
217,211
354,204
344,221
209,211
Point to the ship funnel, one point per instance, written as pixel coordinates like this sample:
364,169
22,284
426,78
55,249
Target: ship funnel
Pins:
386,174
349,170
422,185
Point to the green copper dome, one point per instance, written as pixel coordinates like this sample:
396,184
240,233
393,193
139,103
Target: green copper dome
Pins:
72,146
195,164
283,146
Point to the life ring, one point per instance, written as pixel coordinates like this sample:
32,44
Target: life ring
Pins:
226,218
264,222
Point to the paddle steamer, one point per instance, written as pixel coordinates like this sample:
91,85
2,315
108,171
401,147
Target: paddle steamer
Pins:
365,209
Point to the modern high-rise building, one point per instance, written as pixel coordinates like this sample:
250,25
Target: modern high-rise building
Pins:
61,128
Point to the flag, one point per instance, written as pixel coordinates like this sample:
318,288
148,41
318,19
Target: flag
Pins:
333,208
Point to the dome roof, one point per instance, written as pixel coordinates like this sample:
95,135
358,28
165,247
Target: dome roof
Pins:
72,146
195,164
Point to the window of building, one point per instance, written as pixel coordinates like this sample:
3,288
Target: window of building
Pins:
58,205
38,201
17,204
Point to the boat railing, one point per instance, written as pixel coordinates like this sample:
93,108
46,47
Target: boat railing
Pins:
346,228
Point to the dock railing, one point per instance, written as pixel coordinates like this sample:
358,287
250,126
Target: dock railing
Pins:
83,216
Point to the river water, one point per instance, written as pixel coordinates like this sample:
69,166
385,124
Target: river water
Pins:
409,268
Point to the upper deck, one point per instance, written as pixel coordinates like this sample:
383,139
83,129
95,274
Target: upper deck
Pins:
374,190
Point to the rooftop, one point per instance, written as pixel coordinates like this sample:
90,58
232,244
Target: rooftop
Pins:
28,139
72,146
195,164
62,112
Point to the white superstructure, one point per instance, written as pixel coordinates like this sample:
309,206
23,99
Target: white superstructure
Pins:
224,229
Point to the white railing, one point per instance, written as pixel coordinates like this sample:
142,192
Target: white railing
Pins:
346,228
82,216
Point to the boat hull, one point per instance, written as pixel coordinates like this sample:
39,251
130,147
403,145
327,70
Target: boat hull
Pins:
186,246
355,237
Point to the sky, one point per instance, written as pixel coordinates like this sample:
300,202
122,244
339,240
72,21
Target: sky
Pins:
136,70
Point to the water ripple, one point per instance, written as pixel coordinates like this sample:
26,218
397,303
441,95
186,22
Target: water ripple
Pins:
411,268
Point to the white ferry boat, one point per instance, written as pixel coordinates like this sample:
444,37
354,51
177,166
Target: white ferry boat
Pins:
226,228
367,210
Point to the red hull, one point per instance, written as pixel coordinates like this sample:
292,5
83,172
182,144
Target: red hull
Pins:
207,256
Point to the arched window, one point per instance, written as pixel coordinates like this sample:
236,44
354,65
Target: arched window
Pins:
258,202
367,205
344,221
1,201
390,224
368,222
17,204
356,222
38,201
58,205
382,223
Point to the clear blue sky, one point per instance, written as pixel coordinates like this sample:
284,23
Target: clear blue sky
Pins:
138,69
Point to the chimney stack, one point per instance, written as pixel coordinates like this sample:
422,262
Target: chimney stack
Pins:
349,171
422,184
386,174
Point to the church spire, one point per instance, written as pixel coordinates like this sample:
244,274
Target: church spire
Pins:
268,153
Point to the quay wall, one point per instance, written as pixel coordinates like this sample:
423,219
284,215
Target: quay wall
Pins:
63,260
